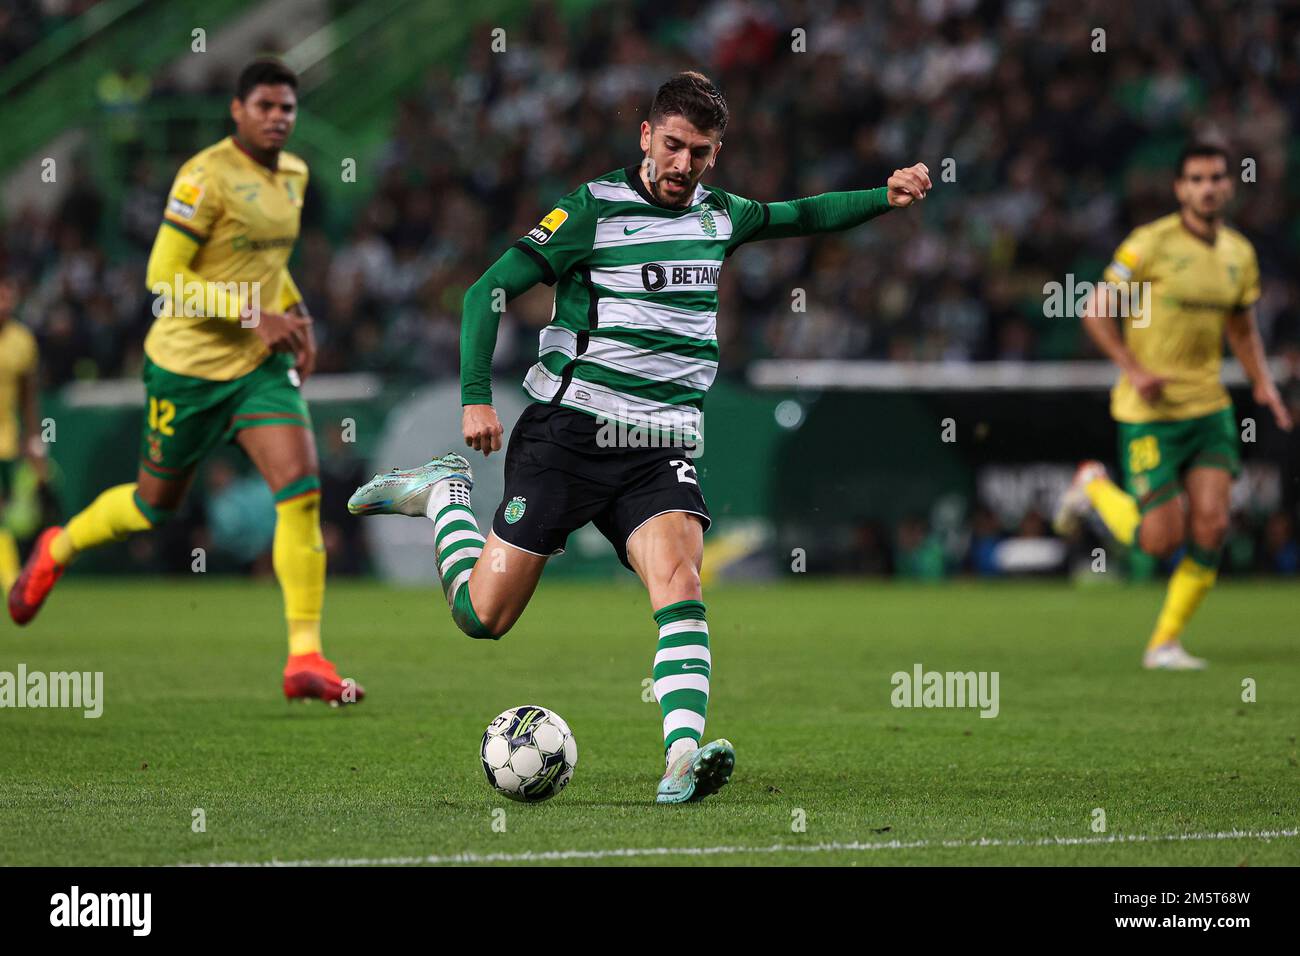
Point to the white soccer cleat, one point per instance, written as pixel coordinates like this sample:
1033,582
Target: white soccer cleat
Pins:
1172,657
406,491
698,773
1074,504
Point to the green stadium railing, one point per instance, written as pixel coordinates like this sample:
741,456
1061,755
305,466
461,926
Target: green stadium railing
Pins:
52,87
355,78
356,69
64,41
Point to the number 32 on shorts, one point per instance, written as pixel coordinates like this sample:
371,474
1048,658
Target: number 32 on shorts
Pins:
685,471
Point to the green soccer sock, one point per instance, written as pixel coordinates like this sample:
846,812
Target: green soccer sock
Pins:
681,671
457,547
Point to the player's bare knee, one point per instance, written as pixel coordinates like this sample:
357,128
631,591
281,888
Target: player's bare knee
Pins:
1167,546
489,622
1161,542
158,505
295,477
680,578
687,576
496,622
1209,529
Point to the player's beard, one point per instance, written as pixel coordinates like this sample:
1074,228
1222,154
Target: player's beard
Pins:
688,190
1208,212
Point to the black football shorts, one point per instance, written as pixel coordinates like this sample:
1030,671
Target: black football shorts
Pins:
558,478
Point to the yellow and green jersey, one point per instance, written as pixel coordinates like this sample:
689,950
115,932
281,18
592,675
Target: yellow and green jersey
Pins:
245,218
1194,287
18,356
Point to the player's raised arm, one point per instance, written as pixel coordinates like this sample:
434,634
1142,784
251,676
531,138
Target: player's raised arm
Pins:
908,185
510,276
834,211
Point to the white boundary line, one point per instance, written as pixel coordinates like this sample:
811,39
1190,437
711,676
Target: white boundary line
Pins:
560,856
937,376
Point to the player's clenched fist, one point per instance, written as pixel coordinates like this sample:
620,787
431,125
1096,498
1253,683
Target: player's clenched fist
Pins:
908,185
482,428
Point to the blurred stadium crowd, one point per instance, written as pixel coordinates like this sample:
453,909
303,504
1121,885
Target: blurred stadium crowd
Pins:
1056,152
1045,151
23,23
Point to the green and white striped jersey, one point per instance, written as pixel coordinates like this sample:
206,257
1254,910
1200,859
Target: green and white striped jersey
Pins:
633,335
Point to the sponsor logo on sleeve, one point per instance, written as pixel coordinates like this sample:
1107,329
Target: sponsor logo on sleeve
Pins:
184,200
550,223
1126,261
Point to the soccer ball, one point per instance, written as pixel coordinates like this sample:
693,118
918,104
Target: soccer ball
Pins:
529,753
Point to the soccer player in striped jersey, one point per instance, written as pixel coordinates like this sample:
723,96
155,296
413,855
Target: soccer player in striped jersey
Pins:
1178,441
618,390
224,360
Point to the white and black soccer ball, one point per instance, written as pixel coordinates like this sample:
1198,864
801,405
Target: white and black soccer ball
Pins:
529,753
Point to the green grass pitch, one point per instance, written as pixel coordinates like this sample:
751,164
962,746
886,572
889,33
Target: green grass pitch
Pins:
193,718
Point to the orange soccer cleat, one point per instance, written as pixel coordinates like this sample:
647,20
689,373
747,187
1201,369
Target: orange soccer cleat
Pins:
37,580
311,676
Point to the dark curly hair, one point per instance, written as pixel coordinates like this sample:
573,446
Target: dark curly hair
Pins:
269,72
1200,150
692,96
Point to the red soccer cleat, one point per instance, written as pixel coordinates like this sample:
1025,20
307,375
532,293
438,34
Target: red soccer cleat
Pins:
310,676
37,580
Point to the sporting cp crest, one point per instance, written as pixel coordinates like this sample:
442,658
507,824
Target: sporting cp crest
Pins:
707,224
515,509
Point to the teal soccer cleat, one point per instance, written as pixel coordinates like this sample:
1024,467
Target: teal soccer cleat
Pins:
406,491
698,773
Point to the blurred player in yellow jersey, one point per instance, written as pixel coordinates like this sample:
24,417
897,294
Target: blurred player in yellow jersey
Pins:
1178,435
19,415
225,359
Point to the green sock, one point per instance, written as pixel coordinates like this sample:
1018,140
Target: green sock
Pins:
457,546
681,670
